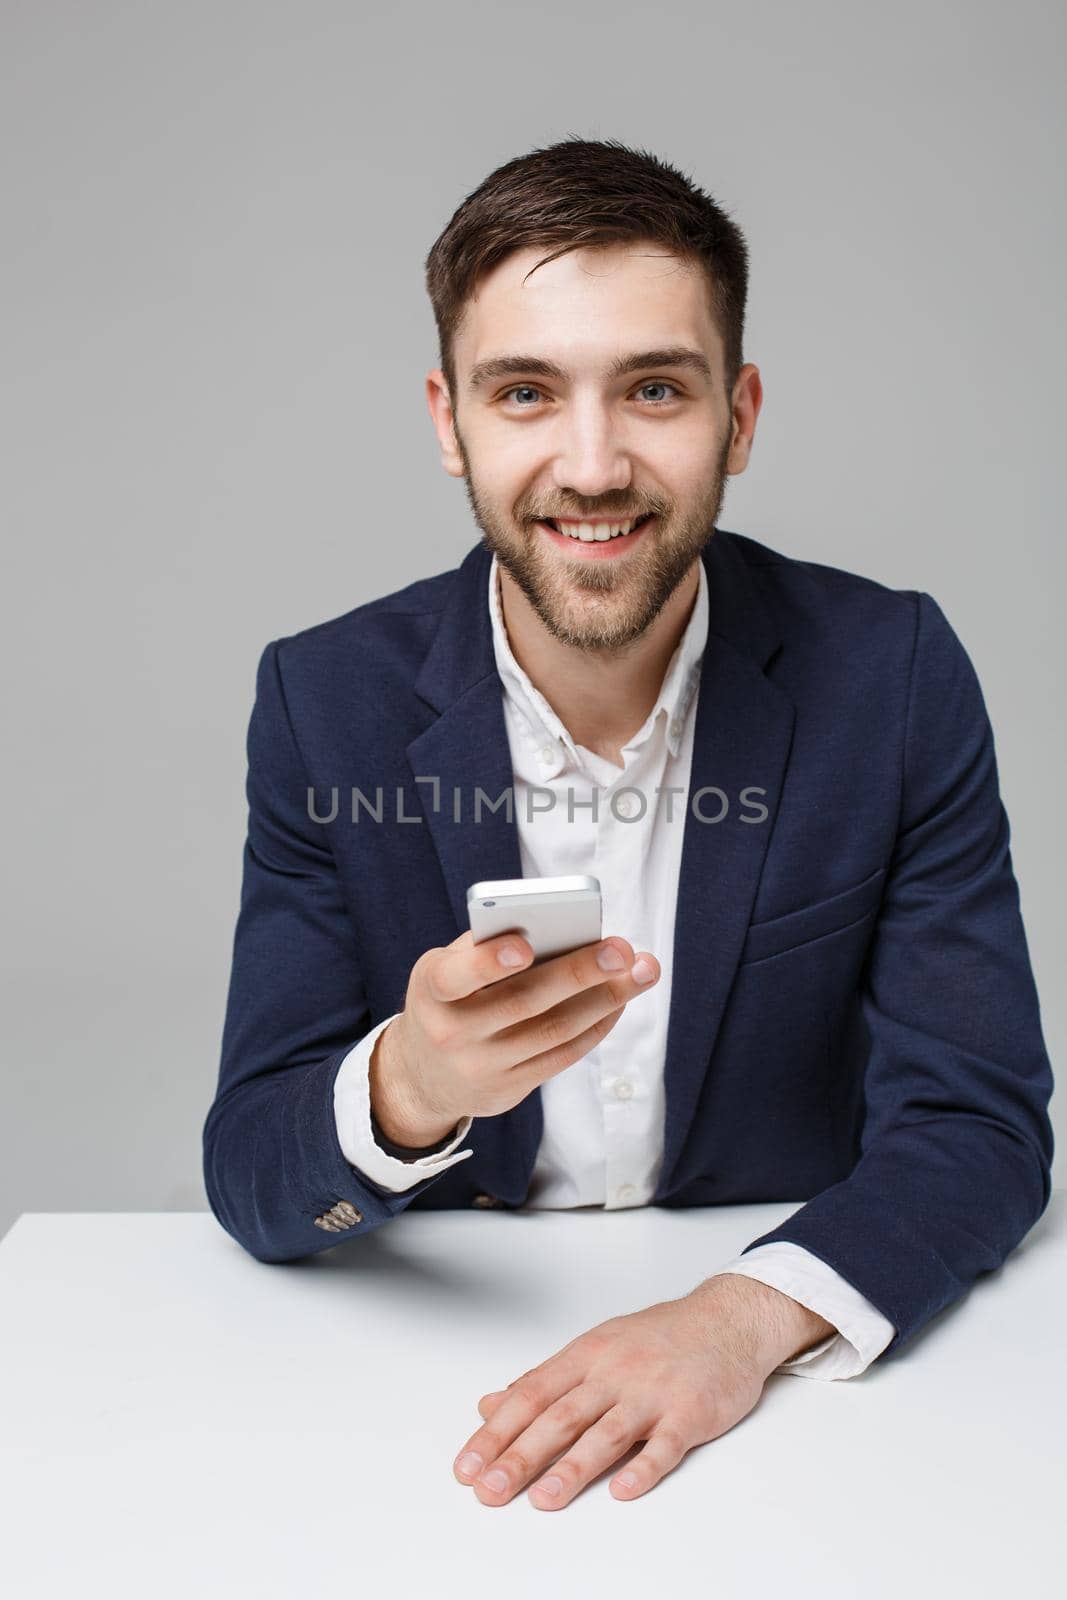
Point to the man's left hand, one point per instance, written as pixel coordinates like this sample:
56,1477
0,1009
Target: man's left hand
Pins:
675,1375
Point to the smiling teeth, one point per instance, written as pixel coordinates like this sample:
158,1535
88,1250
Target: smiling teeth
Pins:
589,531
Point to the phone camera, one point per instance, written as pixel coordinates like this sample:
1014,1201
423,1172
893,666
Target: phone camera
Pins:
488,902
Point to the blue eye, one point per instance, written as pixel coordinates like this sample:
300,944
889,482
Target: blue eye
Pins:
528,388
658,383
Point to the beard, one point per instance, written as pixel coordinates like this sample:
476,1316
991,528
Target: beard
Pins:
602,607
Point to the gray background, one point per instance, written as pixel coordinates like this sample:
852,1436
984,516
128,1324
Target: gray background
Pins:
214,341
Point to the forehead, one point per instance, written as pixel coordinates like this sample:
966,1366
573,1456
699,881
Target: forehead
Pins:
638,294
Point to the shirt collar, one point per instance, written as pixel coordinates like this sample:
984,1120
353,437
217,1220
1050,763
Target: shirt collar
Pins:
676,691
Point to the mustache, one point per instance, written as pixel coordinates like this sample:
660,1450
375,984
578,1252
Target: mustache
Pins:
598,514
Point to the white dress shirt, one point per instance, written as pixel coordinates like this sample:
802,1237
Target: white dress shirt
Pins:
602,1139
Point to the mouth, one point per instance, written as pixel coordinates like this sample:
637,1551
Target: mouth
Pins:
596,541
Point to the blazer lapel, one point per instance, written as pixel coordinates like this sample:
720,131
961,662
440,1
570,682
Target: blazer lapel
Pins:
466,749
742,737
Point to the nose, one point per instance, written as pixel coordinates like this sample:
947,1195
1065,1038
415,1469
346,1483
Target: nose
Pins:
590,460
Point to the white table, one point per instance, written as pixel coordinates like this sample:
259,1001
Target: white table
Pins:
178,1419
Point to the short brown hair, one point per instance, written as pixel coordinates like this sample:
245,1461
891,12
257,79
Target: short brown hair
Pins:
586,192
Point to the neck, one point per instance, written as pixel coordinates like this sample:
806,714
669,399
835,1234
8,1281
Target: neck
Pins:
601,697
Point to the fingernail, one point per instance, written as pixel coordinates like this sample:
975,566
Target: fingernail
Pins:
509,956
609,960
641,972
551,1485
469,1464
626,1480
495,1480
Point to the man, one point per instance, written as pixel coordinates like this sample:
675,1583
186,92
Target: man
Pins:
814,980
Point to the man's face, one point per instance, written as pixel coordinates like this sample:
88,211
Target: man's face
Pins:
584,442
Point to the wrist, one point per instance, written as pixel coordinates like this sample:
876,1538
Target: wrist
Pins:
777,1327
394,1107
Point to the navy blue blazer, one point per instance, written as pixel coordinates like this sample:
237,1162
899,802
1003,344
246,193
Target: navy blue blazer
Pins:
853,1016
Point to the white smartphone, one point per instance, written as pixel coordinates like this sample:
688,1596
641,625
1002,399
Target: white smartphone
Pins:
554,914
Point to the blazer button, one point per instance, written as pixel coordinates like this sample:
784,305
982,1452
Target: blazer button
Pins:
339,1217
484,1200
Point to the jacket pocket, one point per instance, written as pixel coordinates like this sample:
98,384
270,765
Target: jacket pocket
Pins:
779,934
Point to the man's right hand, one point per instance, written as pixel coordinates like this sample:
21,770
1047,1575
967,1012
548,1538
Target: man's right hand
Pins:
476,1035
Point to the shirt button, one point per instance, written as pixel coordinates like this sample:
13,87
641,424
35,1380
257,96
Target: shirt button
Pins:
626,1192
626,806
484,1200
623,1089
546,754
676,729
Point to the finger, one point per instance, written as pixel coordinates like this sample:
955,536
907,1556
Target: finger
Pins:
523,1402
463,967
536,1447
535,1069
575,977
535,1372
547,1039
489,1401
598,1448
665,1448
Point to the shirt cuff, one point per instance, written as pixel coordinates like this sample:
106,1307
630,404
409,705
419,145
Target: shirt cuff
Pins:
351,1106
863,1332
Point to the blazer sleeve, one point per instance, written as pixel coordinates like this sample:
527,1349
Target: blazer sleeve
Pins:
956,1147
296,1005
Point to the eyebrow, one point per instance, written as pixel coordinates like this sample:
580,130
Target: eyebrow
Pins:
676,355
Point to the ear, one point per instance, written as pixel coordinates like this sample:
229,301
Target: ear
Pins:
440,404
747,400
